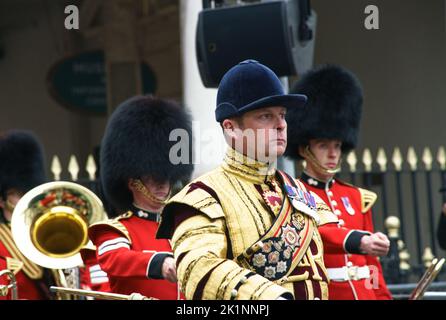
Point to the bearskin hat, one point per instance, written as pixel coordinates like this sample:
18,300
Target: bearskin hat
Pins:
136,144
333,109
22,162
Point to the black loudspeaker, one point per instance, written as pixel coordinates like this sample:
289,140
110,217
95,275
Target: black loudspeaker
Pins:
279,34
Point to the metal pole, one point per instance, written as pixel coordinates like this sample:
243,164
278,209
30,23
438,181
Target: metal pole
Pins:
417,215
99,294
367,180
443,184
408,287
353,178
399,195
431,212
384,196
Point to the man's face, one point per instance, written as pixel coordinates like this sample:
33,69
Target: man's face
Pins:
12,197
152,197
261,134
326,151
160,190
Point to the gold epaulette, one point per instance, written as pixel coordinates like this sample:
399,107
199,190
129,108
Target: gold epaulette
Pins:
32,270
368,199
115,224
201,200
125,215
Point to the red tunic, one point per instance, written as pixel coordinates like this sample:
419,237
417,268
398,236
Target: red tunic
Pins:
341,242
131,256
27,288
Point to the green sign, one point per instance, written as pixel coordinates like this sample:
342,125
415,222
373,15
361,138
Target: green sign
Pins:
79,82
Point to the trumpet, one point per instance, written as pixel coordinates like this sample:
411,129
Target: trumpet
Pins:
4,289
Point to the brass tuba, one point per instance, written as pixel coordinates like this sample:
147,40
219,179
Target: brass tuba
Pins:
50,222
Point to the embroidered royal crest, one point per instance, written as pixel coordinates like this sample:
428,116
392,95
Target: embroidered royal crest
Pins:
273,200
298,221
348,206
259,260
290,236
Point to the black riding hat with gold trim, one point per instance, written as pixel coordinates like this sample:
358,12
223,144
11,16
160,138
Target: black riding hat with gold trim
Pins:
136,144
333,109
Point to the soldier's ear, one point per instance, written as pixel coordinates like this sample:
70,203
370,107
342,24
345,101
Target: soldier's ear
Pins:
131,184
229,128
227,124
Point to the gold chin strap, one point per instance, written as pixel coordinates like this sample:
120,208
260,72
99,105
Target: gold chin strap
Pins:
139,186
309,156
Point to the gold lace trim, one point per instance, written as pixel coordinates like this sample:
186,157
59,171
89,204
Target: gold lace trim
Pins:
247,168
196,232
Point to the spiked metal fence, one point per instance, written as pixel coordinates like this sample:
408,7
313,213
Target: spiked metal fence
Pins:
407,188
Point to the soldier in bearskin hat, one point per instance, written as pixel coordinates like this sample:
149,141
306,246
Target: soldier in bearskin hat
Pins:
22,167
326,129
137,177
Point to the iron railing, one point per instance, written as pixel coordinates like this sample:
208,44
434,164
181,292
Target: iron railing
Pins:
407,188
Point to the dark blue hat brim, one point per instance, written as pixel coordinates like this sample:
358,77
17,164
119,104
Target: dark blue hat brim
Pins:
227,110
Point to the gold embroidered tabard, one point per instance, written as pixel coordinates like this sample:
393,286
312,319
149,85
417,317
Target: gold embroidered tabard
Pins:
241,211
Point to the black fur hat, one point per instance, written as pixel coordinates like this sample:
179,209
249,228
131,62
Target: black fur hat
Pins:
22,162
333,109
136,144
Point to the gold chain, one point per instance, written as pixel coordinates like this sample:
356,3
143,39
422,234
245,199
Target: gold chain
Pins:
140,187
309,156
